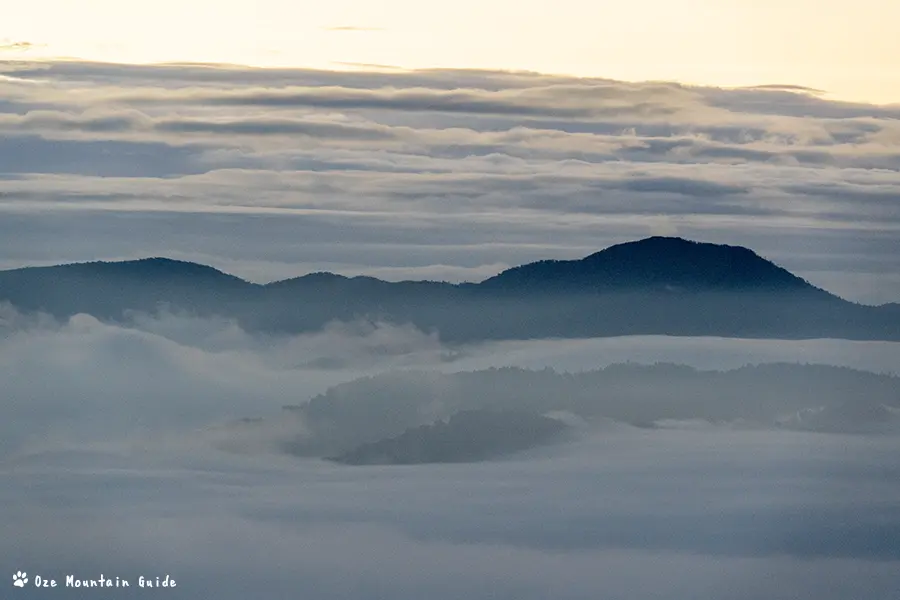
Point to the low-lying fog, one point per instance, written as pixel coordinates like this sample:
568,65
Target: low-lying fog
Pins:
122,453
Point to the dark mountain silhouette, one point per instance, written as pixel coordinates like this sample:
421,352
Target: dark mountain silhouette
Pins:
656,264
653,286
109,289
467,436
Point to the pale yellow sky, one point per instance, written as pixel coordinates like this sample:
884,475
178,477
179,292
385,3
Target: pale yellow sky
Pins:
850,49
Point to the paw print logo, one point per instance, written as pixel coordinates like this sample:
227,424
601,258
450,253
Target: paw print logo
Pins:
20,579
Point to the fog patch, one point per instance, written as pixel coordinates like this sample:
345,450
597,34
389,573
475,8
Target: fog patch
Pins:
630,514
83,380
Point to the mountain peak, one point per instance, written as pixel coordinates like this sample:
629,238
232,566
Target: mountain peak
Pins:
153,267
158,266
656,263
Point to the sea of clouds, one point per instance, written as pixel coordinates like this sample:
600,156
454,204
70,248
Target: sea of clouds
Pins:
116,460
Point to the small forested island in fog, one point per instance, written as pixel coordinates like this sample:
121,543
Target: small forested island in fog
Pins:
467,436
407,417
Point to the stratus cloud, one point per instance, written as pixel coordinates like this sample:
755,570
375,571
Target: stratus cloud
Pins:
746,515
119,456
20,46
86,382
82,381
409,171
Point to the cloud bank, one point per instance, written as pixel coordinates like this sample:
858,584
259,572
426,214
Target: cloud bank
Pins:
118,457
745,516
445,174
155,379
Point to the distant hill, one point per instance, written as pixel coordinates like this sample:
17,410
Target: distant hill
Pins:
408,417
110,289
657,264
381,418
657,285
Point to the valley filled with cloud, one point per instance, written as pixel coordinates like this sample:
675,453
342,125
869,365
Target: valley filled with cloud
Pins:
156,447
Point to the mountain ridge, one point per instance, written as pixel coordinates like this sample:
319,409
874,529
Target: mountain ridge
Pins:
159,264
657,285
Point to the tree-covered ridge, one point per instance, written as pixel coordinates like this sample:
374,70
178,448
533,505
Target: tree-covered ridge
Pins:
664,286
375,409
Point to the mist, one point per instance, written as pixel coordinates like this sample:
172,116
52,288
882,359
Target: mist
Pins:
83,381
157,446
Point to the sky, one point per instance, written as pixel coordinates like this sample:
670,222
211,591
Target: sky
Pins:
848,49
411,141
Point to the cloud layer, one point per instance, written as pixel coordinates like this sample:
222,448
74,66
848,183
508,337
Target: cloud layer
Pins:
117,458
745,515
84,383
449,174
